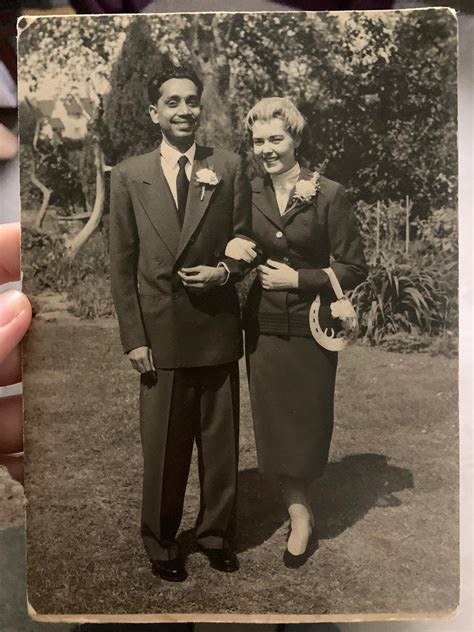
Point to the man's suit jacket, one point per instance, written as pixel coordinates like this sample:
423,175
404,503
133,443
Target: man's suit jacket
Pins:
184,328
312,235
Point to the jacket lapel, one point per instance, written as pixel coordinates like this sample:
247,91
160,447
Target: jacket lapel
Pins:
158,202
294,208
197,203
264,199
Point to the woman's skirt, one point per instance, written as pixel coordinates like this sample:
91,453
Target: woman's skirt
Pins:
291,383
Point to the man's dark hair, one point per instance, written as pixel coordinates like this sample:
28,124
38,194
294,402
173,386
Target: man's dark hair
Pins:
172,72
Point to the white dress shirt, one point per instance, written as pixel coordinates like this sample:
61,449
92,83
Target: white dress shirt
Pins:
283,183
169,164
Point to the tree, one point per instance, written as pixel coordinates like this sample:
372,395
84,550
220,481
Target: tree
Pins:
392,127
91,45
30,158
126,128
47,162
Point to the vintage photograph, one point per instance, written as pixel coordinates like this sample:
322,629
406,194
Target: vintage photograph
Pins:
240,242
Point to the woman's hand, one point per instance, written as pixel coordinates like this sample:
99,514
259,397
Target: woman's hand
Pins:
277,276
241,249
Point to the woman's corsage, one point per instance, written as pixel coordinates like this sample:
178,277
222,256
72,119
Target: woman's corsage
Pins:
206,178
305,190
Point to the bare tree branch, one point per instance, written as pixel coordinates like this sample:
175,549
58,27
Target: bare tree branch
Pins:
78,241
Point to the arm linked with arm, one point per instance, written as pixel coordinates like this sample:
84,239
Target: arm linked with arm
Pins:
242,222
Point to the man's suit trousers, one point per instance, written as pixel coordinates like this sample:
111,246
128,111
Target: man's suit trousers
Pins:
177,408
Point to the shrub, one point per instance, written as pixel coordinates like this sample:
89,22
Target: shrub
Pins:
91,298
401,342
408,294
43,256
399,295
84,280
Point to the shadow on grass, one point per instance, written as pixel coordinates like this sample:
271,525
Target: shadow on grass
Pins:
353,486
346,492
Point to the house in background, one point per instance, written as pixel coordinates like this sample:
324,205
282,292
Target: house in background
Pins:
73,115
63,117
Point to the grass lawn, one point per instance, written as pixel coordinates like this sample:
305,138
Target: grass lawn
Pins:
386,509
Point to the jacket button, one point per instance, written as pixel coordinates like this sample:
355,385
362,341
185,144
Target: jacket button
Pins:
279,234
175,296
217,253
158,260
286,260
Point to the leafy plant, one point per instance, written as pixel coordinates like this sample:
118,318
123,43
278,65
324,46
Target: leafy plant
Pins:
85,280
398,297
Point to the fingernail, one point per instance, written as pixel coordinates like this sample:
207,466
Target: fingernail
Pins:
12,303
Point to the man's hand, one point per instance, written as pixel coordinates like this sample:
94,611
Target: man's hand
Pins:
202,277
142,360
241,249
277,276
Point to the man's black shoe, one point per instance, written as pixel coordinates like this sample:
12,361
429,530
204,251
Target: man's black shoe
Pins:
170,570
223,560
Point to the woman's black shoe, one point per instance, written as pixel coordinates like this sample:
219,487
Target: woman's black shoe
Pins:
295,561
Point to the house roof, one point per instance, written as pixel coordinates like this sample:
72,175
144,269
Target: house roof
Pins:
57,124
45,107
72,107
88,106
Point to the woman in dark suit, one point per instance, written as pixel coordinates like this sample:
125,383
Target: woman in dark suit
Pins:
302,223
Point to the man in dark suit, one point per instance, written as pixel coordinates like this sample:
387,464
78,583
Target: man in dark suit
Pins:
172,213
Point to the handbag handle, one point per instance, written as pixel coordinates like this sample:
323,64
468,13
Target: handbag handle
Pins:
336,286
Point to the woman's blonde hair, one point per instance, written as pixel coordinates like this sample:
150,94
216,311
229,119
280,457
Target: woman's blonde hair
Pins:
280,108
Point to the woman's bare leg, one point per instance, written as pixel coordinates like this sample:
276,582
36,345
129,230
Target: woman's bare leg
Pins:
295,496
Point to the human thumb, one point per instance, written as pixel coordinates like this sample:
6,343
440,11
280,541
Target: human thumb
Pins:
15,318
8,143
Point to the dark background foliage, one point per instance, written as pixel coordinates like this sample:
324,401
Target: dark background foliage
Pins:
379,94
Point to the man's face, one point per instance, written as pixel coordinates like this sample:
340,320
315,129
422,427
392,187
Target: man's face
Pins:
177,111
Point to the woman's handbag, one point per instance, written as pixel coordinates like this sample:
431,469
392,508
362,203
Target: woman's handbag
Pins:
333,325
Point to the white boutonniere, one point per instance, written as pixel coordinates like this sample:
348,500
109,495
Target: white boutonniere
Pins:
305,190
206,178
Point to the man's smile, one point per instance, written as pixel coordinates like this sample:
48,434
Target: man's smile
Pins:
186,123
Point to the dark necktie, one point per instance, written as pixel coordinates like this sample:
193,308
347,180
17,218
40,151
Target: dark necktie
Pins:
182,188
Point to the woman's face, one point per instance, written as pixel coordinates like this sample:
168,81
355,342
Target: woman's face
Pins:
273,145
